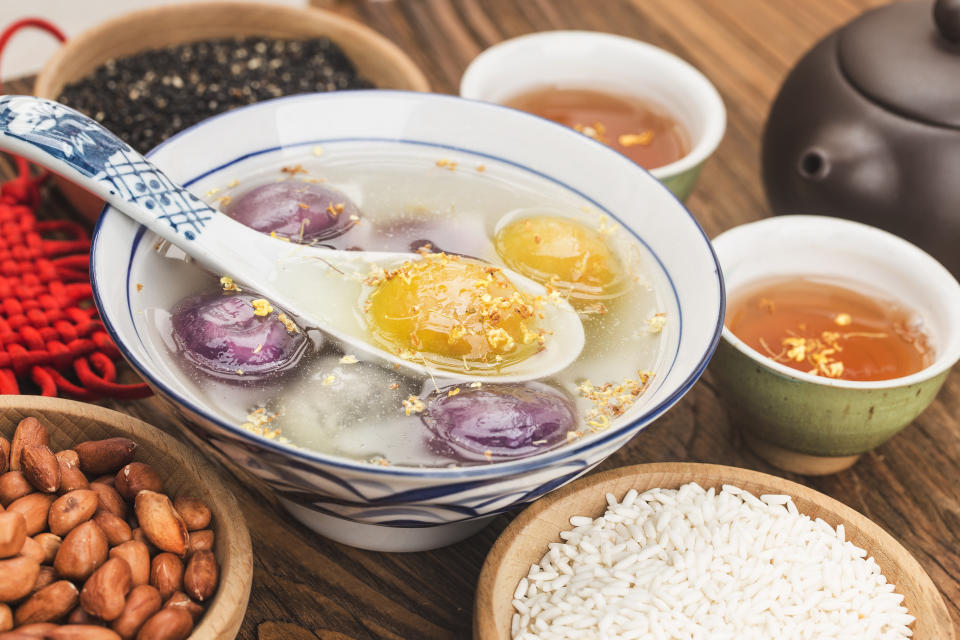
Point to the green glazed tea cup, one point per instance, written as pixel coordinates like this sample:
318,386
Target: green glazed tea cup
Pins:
812,424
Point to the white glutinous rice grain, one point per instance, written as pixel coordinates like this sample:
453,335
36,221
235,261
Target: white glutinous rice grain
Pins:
690,564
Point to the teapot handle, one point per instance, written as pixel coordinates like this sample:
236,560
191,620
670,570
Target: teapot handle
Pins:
946,15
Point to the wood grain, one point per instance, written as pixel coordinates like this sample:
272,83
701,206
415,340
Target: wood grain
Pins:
184,472
525,541
308,587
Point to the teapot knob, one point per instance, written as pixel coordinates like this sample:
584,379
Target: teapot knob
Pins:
946,14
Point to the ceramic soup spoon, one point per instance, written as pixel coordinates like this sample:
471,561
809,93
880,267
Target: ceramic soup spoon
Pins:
323,287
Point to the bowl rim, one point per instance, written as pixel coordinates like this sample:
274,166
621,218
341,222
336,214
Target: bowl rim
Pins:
229,605
943,362
495,469
888,548
708,96
44,84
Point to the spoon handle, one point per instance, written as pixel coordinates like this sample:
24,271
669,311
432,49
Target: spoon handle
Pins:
83,151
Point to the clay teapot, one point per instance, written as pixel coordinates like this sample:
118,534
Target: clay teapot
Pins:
867,127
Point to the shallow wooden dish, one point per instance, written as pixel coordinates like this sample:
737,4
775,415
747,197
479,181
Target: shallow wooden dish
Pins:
526,539
184,472
375,57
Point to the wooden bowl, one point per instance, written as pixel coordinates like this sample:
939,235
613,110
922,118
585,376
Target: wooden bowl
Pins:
184,472
525,541
375,57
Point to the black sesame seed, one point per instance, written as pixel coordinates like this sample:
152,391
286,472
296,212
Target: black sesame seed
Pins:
147,97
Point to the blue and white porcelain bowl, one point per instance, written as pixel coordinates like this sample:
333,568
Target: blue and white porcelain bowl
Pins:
395,508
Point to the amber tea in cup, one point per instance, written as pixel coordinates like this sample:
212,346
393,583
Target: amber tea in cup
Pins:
637,128
829,328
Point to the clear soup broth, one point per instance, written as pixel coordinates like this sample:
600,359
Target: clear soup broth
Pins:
448,206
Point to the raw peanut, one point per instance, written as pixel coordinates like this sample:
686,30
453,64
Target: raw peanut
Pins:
48,604
134,478
110,500
138,557
200,541
29,431
50,543
109,479
180,600
71,478
40,467
34,507
32,549
79,616
116,529
17,577
201,576
46,577
193,511
105,592
13,485
83,550
81,632
4,467
167,624
143,602
71,509
35,631
100,457
6,616
166,574
13,531
161,522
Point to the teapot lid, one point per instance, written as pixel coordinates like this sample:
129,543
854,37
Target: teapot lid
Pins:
906,57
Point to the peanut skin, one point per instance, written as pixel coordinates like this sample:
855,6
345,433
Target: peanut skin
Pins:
17,577
202,540
34,507
40,467
180,600
13,485
29,431
82,551
71,478
167,624
13,531
161,522
48,604
81,632
116,529
201,576
100,457
142,602
4,467
71,509
194,512
110,500
136,477
50,544
166,574
46,577
105,592
138,557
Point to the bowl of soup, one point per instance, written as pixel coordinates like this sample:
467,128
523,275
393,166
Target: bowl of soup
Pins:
370,454
837,336
638,99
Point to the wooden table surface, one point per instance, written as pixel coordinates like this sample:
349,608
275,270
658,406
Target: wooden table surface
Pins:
306,587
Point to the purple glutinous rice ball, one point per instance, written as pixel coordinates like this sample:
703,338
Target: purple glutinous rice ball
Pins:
222,336
286,207
498,421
